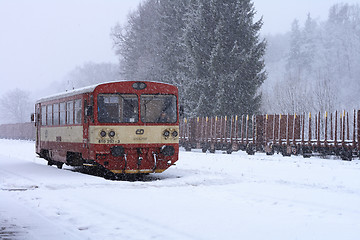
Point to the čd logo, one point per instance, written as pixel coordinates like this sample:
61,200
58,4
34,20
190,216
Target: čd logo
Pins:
139,131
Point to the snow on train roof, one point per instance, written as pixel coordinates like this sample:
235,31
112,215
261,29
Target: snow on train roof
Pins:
69,93
80,91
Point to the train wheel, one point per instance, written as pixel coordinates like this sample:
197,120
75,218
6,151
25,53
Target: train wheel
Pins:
59,165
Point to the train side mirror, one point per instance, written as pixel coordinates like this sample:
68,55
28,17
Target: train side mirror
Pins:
181,111
89,111
32,117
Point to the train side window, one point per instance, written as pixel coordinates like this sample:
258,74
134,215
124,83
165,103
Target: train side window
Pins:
56,113
78,112
43,115
62,113
49,115
70,112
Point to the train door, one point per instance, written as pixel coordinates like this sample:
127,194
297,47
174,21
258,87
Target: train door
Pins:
88,118
37,126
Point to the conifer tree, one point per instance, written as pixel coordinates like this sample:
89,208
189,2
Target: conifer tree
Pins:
226,56
209,48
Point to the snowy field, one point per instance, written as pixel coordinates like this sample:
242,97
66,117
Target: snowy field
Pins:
206,196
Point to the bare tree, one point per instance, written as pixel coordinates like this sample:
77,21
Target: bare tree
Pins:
15,106
91,73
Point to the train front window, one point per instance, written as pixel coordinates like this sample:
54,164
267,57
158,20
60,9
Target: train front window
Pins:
158,108
118,108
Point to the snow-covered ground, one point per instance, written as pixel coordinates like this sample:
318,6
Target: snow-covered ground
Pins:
206,196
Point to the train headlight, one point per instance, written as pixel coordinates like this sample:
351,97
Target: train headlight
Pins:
174,134
103,133
111,133
166,133
139,85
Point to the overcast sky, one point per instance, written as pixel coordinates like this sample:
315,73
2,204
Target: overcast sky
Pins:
42,40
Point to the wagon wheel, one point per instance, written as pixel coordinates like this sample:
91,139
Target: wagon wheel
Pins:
204,149
346,154
250,149
188,147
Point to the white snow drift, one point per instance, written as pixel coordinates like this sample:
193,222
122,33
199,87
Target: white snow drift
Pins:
206,196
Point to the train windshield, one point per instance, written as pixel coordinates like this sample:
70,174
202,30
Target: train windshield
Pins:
118,108
158,108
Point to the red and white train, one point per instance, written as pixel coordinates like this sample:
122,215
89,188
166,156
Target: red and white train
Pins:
127,127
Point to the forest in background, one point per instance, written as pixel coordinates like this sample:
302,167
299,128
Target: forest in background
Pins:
313,67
